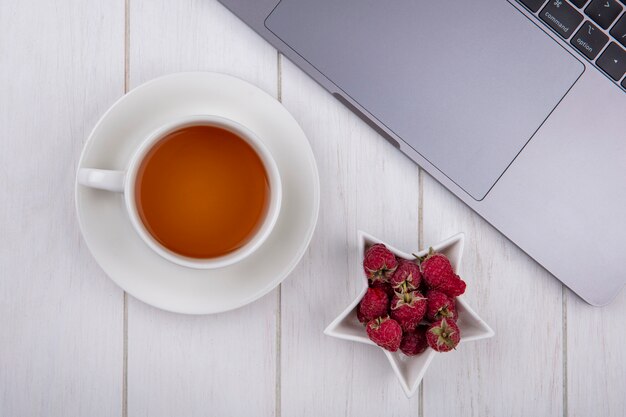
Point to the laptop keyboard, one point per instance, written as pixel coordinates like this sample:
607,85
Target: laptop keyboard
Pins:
595,28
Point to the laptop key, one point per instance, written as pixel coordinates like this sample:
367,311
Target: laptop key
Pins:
619,30
561,17
533,5
578,3
613,61
603,12
589,40
624,83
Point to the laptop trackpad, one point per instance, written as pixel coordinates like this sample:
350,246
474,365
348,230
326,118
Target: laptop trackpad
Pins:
465,83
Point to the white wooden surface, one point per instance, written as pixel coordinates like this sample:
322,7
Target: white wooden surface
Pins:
72,344
60,317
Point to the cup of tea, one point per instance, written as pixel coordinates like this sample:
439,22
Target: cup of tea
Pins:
202,191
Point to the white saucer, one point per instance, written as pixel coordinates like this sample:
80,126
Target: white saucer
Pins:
125,257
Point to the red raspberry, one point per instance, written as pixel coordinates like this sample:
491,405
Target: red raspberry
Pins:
375,303
440,306
435,269
383,285
443,335
407,276
385,332
379,263
360,316
408,309
439,275
452,286
413,343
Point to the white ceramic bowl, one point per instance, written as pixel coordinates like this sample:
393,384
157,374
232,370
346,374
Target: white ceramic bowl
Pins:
409,369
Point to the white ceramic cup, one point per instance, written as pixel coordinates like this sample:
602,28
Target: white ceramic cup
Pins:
124,182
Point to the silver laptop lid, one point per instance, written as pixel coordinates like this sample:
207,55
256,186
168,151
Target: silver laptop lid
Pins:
465,89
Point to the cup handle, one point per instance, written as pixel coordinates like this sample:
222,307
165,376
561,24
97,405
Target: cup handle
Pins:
102,179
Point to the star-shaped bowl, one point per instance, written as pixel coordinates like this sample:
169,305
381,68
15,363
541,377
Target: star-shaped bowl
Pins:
409,369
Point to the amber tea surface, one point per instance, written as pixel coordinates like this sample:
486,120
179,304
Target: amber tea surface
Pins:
202,192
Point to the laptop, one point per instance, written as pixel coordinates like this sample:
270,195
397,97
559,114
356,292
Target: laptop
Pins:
517,107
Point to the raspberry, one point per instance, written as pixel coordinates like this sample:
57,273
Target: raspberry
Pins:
379,263
385,332
443,335
440,306
452,287
435,269
383,285
375,303
408,309
414,342
407,276
439,275
360,316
